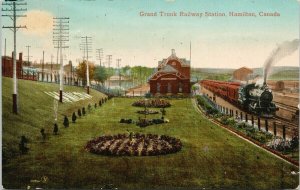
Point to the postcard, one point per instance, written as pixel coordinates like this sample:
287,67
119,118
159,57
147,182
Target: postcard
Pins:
140,94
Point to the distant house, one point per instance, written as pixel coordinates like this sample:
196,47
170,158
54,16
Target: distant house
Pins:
7,66
242,74
118,81
172,76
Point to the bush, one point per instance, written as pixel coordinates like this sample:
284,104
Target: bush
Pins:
295,142
55,129
66,122
148,95
79,112
206,106
74,117
83,111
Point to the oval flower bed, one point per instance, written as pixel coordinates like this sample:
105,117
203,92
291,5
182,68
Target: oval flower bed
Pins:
134,145
154,103
147,112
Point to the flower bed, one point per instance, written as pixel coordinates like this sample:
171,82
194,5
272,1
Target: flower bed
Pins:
134,145
147,112
155,103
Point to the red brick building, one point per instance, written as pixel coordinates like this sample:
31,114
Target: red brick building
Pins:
172,76
242,74
7,66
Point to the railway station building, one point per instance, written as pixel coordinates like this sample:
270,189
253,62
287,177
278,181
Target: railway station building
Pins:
242,74
171,77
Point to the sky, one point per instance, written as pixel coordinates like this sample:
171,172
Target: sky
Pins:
118,28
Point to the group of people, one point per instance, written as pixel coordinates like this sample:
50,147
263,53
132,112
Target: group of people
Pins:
155,103
134,145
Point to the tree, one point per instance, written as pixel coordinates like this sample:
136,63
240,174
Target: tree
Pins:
125,71
81,70
79,112
83,110
140,74
55,129
74,117
100,74
66,122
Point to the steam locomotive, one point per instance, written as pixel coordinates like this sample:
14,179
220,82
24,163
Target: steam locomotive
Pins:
251,97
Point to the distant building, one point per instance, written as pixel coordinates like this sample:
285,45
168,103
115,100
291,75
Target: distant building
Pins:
42,72
117,81
242,74
172,76
7,66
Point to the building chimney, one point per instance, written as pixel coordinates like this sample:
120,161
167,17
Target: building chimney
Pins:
173,52
20,57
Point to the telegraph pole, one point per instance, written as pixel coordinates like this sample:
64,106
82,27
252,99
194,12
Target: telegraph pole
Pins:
5,47
87,47
60,37
43,67
109,58
118,66
28,56
99,53
13,15
51,66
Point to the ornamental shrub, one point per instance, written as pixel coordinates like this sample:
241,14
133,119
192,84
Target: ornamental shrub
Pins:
74,117
66,122
83,111
79,112
55,129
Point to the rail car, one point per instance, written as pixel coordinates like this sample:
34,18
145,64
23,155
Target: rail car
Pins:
252,98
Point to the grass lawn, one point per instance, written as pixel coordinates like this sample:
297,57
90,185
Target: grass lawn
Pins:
211,156
286,75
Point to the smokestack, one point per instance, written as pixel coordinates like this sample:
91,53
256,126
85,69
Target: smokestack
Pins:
282,50
20,56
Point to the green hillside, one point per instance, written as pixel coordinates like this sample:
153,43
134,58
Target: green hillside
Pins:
211,157
35,112
285,75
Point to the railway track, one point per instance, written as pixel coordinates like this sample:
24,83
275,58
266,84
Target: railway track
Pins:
284,126
293,108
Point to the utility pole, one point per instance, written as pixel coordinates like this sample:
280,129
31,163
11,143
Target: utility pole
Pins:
28,56
51,66
190,56
118,66
99,53
43,64
13,15
60,37
5,47
109,58
87,47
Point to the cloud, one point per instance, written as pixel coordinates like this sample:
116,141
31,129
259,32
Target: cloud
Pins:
39,23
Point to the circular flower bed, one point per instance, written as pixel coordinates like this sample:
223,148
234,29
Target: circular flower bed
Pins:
134,145
147,112
155,103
